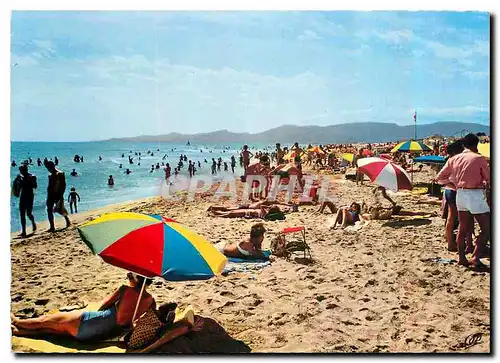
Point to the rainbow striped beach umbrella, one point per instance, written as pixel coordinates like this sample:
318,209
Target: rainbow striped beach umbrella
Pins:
151,245
411,146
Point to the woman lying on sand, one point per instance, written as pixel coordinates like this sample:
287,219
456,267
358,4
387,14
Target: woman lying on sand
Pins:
250,247
255,205
112,318
379,213
259,212
350,215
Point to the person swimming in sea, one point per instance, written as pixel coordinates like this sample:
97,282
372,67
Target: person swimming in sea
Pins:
73,173
100,158
39,162
13,164
56,161
225,166
72,197
121,166
111,181
128,171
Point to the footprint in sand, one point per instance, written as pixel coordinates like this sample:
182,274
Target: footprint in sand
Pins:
228,294
226,308
17,297
42,302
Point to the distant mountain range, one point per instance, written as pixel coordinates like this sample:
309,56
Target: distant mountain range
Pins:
343,133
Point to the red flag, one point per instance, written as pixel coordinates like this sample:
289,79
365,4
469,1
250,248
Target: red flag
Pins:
415,116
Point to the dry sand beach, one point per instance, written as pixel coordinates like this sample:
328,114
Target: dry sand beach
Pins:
368,290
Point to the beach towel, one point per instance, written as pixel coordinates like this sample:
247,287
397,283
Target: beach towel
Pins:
236,264
62,344
357,226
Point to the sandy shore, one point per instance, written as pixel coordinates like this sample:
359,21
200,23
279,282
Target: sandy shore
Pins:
369,290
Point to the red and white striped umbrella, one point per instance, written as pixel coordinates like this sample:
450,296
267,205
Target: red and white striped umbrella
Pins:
385,173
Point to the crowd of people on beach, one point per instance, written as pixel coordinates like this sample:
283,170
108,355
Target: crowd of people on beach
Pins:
465,176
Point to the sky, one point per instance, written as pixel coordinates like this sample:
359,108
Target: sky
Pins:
79,76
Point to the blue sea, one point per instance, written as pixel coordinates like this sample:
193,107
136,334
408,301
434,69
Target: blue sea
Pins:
91,183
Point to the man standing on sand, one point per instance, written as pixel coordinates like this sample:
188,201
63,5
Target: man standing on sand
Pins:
55,195
279,154
469,172
246,155
359,176
298,155
24,187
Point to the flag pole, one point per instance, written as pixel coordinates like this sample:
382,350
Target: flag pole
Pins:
415,119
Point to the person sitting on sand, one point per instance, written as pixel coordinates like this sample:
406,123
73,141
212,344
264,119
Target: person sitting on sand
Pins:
114,315
250,247
348,215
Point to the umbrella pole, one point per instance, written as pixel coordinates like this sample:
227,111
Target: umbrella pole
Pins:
139,300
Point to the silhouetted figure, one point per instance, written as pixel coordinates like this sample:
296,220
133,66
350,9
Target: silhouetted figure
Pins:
72,197
55,195
24,187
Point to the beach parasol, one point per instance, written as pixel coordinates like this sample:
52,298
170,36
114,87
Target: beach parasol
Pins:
484,149
151,245
385,173
411,146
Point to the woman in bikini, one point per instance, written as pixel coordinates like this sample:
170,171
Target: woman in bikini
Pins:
249,247
348,216
112,318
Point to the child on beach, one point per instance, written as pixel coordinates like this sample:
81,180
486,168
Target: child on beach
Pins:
73,195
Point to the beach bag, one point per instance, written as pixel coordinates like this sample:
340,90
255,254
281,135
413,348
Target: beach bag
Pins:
16,187
145,330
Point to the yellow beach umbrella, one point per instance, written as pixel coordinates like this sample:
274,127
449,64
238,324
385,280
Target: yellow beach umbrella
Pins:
411,146
484,149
